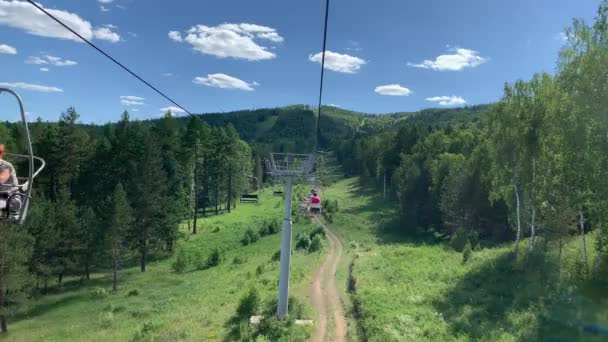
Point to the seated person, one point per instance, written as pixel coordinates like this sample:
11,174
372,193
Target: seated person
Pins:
315,203
8,175
8,183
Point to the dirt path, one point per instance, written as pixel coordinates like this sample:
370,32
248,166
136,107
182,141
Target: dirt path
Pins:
325,295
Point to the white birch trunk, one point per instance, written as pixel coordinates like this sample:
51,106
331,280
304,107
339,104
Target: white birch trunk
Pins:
600,249
583,243
518,204
533,200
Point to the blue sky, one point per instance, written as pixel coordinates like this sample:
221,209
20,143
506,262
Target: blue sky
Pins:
210,56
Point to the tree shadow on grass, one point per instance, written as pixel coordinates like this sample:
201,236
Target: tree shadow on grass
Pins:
518,297
384,215
38,309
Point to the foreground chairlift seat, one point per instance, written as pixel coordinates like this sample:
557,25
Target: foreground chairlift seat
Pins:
246,198
16,192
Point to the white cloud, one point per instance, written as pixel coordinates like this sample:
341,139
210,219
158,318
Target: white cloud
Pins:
231,40
173,110
7,49
105,33
106,1
22,15
462,58
339,62
44,69
224,81
393,90
132,100
175,36
110,26
50,60
32,87
104,8
447,100
167,74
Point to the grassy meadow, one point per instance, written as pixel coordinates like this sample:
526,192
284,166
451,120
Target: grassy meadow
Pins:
406,289
163,305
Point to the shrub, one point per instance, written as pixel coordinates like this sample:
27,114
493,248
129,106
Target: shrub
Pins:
181,263
249,237
459,239
215,258
239,260
144,334
106,319
133,293
264,231
330,206
274,227
467,252
259,270
248,304
99,293
318,230
316,244
276,256
303,242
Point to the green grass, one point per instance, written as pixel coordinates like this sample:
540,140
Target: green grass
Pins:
191,306
412,290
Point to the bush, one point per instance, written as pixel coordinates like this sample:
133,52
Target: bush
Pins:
274,227
264,231
459,239
318,230
181,263
330,206
99,293
303,242
239,260
259,270
133,293
249,237
215,258
106,319
276,256
249,304
316,244
467,252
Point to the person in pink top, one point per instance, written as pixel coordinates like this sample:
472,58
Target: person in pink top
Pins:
315,203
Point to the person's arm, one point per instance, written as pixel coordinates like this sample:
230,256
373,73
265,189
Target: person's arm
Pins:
5,174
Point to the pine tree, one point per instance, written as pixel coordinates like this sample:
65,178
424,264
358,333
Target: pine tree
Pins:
15,250
151,189
120,221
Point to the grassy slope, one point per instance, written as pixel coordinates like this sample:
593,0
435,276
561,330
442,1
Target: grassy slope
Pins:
412,291
190,306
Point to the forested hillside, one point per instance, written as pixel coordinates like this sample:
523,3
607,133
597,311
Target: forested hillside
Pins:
531,166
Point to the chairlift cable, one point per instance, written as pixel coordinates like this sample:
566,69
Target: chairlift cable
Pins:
318,133
108,56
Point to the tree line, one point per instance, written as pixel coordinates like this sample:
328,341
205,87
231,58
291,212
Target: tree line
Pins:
114,196
531,166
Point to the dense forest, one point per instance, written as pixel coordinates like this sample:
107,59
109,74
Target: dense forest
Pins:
532,165
114,196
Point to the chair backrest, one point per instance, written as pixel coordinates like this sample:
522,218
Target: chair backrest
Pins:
249,198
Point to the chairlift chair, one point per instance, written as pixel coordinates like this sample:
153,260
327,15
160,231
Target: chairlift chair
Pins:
15,198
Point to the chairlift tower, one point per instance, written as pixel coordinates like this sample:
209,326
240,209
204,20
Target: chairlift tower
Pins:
289,166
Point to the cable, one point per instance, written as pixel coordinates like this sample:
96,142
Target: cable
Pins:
107,55
322,75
